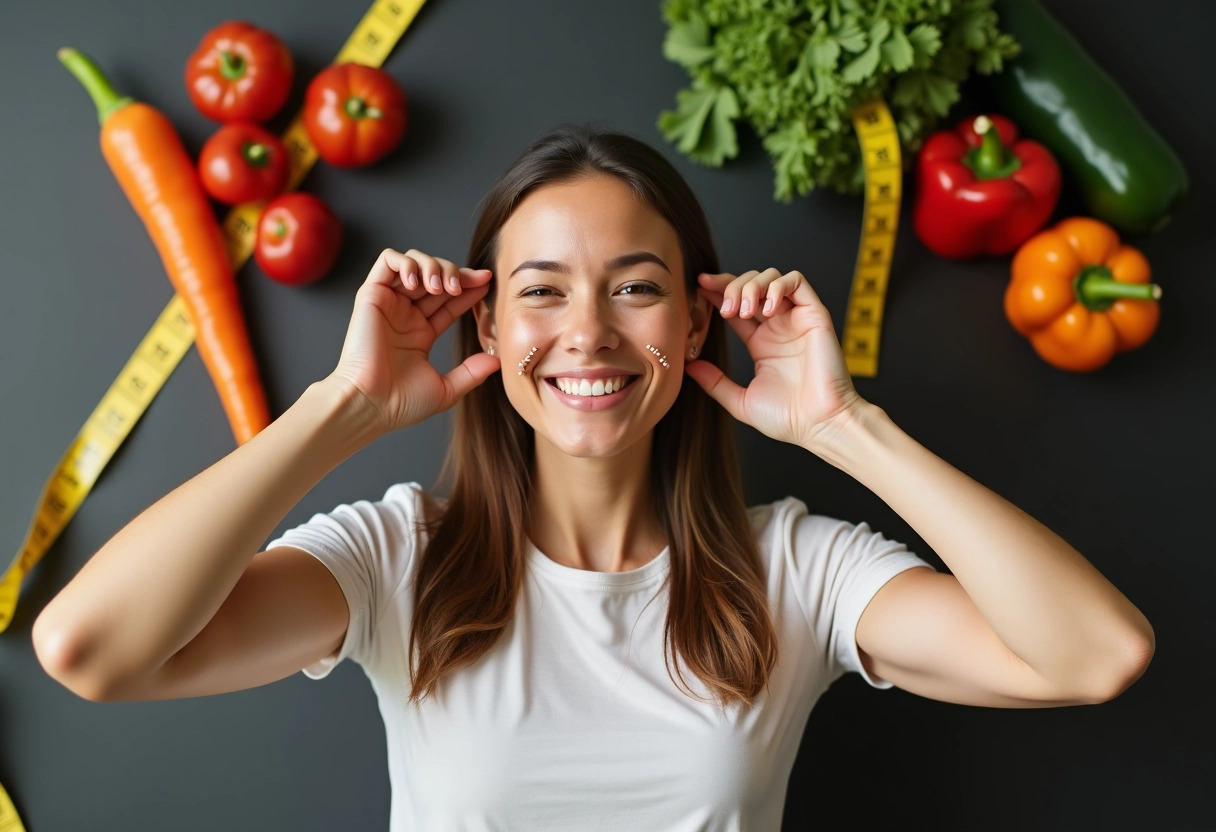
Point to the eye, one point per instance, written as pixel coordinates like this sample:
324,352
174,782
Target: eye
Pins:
629,289
635,286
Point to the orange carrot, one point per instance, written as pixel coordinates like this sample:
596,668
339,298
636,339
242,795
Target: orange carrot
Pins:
147,157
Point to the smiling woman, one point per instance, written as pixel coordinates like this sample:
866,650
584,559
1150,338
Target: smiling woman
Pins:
591,630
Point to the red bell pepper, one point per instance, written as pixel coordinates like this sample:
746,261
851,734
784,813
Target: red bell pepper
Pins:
981,190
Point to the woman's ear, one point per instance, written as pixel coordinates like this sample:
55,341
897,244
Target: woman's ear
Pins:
702,311
487,332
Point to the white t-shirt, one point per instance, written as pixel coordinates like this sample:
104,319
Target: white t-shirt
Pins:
570,721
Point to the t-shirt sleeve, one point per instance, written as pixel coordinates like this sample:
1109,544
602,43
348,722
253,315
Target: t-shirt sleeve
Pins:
838,567
369,547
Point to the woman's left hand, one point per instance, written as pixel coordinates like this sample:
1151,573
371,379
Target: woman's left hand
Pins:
801,387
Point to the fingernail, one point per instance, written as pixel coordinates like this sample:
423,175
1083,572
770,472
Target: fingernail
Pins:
727,305
768,306
411,281
745,306
454,281
434,281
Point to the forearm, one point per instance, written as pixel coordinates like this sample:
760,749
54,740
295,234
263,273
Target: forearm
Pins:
157,582
1045,601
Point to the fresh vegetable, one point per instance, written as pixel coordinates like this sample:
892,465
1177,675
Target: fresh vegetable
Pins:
1081,296
158,177
243,162
239,72
354,114
298,239
797,70
1125,172
982,190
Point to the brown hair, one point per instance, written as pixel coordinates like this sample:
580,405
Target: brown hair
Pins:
471,569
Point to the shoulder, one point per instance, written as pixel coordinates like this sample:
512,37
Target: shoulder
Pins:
820,547
788,524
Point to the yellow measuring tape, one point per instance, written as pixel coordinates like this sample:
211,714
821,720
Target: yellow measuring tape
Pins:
10,821
163,347
863,318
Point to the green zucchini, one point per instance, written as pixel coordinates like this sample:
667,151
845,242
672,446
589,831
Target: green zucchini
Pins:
1058,95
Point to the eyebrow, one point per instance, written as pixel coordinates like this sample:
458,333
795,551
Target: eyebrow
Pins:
624,261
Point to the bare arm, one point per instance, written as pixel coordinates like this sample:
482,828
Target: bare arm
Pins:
1059,632
159,581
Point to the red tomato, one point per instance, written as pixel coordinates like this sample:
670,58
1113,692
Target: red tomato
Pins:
243,163
298,239
354,114
239,73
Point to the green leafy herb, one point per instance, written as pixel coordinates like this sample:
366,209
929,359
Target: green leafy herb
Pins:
796,69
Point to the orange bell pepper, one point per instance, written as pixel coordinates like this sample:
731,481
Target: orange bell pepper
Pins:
1081,296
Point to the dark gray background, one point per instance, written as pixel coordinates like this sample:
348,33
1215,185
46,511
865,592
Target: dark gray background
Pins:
1115,462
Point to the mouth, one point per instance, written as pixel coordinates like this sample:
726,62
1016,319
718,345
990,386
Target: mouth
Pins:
591,388
591,396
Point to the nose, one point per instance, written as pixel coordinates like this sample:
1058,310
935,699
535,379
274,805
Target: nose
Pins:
588,325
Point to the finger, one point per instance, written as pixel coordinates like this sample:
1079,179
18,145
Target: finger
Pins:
775,298
430,271
751,291
388,270
468,374
718,385
742,327
453,306
468,278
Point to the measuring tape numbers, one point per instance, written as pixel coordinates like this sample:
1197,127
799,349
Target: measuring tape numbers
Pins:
171,336
884,173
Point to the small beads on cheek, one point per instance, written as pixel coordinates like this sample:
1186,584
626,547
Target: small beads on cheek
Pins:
523,364
662,358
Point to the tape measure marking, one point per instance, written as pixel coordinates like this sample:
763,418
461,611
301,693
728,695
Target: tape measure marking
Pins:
170,338
884,176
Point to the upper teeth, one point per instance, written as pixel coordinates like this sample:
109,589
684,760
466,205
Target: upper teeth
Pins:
587,387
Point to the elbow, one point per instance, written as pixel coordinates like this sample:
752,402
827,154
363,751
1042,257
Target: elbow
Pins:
1135,664
59,654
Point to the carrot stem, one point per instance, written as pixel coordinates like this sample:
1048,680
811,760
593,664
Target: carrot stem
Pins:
94,81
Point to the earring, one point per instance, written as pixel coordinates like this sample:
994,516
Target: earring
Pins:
523,364
662,358
694,350
491,349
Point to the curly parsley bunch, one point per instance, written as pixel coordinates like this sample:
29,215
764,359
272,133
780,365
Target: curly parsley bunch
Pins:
797,69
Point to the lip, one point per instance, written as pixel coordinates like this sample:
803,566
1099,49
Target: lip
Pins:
589,403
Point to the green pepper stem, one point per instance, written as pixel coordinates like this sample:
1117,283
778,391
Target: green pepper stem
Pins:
95,83
991,160
1098,289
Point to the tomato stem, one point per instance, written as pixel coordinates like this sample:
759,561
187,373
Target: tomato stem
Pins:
256,154
94,81
356,107
232,66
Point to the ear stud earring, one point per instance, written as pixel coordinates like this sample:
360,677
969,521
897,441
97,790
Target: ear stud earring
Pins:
694,351
662,358
491,349
523,364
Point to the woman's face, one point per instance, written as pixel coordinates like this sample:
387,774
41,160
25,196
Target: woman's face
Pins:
558,292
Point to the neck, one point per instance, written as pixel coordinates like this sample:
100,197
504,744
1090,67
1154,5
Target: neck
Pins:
595,513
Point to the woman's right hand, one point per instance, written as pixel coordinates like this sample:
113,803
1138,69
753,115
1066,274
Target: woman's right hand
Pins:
398,315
